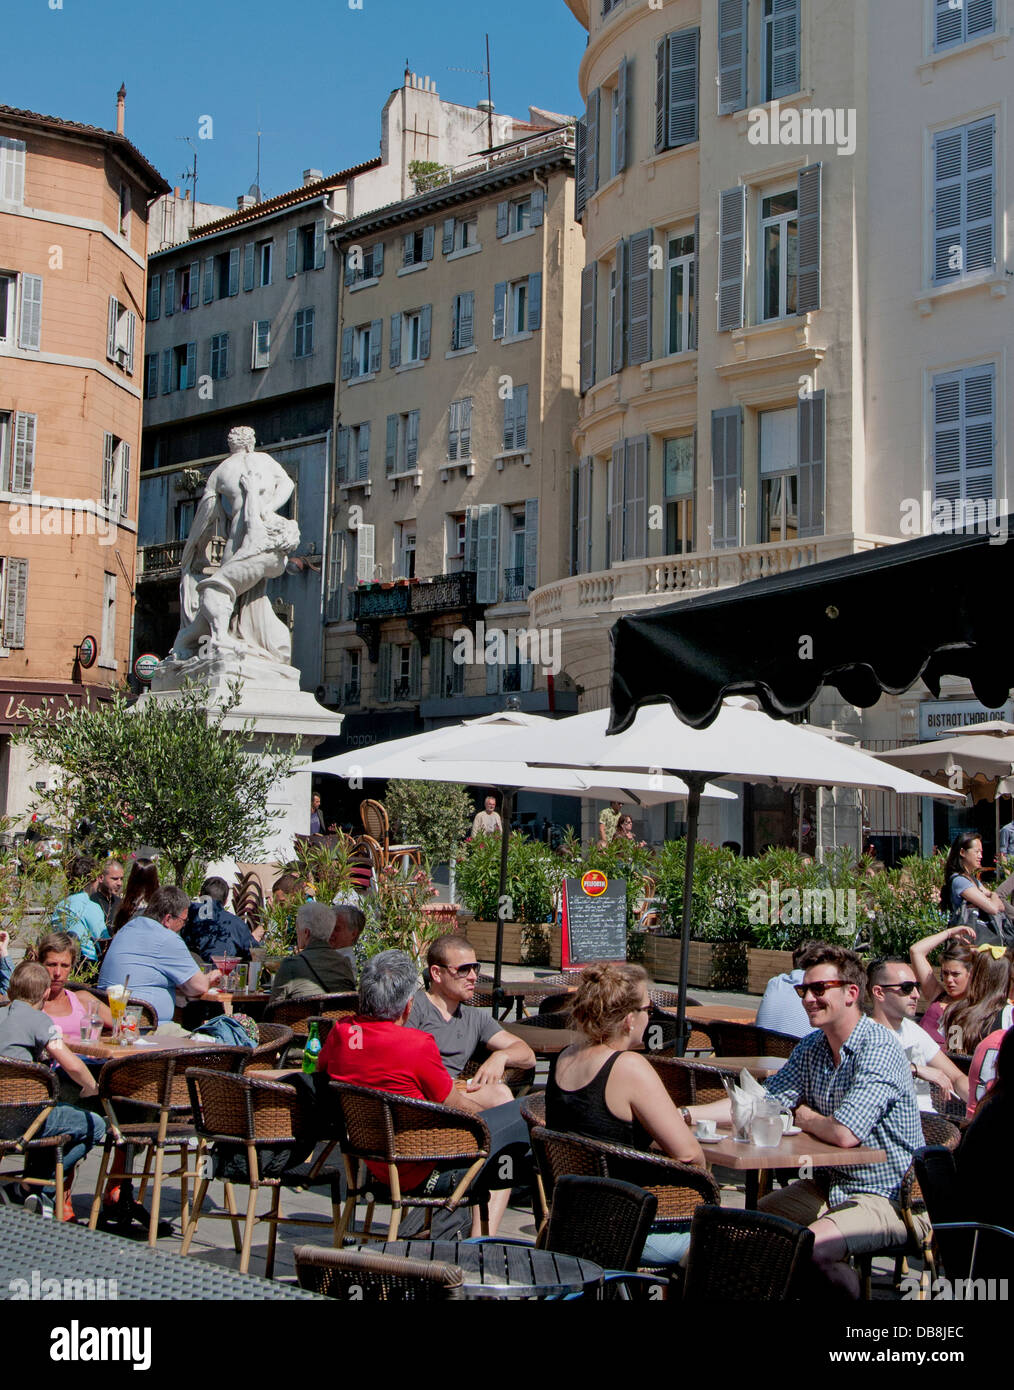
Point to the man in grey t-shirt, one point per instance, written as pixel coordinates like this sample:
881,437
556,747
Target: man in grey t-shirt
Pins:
442,1009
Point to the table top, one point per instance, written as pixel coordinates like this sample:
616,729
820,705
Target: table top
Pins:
717,1013
92,1264
493,1270
793,1150
105,1050
760,1067
544,1042
525,989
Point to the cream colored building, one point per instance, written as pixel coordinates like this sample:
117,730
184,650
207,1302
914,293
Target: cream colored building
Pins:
455,406
795,307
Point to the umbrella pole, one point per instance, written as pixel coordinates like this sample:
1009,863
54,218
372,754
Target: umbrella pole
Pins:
695,782
506,812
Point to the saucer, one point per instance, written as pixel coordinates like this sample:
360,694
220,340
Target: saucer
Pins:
714,1139
792,1129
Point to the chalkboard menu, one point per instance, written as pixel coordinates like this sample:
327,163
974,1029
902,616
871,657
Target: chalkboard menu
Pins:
595,919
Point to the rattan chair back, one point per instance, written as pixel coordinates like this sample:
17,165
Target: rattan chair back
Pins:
137,1085
738,1256
368,1277
273,1042
599,1219
375,822
747,1040
397,1129
243,1108
26,1090
296,1013
687,1080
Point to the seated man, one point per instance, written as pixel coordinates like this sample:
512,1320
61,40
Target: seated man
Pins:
211,931
78,913
441,1009
781,1010
894,990
150,951
29,1035
320,966
108,889
849,1084
376,1049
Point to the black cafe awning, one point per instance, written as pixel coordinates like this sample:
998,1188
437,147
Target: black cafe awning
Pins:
865,624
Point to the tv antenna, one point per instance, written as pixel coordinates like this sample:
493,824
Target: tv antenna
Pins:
487,73
191,174
255,187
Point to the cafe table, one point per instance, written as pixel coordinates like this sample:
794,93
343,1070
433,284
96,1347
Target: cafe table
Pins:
105,1050
717,1013
493,1270
545,1042
520,993
759,1067
794,1152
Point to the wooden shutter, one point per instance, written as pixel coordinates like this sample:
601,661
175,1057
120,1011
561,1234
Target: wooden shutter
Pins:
248,265
811,464
639,297
616,361
234,271
808,186
980,18
414,670
12,170
377,260
502,218
580,168
635,499
428,238
726,475
964,445
131,335
499,309
508,421
319,244
733,18
150,375
535,301
661,105
589,295
520,417
447,239
170,293
592,134
784,39
348,342
124,477
342,465
531,543
683,87
209,279
30,327
376,344
948,223
154,297
108,456
290,253
464,320
112,315
465,441
23,458
425,329
438,657
948,26
538,207
487,577
731,252
383,689
16,602
584,536
391,446
979,196
191,365
453,429
195,285
471,557
394,357
412,439
622,105
363,454
616,487
408,249
167,371
365,560
696,315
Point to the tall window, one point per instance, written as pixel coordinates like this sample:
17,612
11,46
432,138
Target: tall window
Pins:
678,483
517,307
303,344
959,23
964,200
680,293
780,242
218,364
261,344
780,48
779,476
265,251
404,558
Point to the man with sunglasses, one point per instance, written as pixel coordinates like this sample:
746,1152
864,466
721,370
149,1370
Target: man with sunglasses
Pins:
443,1011
894,991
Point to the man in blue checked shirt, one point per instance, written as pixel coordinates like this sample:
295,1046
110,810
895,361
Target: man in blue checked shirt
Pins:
849,1084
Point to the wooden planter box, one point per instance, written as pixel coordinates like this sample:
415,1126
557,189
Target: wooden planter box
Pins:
765,965
482,935
662,961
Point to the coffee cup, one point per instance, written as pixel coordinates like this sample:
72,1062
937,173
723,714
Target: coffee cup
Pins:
706,1129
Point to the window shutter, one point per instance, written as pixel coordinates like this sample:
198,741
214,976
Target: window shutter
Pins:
363,456
150,375
343,453
428,238
589,294
538,207
948,24
520,417
683,87
124,478
980,18
616,362
170,293
167,371
414,669
412,439
23,460
377,263
947,204
383,690
209,279
616,489
16,603
131,335
425,329
661,107
979,196
696,314
191,365
350,271
463,326
635,499
319,244
964,446
784,48
584,536
508,422
365,561
376,344
395,349
811,465
580,168
234,271
391,446
290,253
248,266
592,134
808,202
453,429
195,284
447,240
535,301
107,468
502,218
487,586
438,655
30,328
111,317
465,439
639,294
499,309
726,475
408,248
348,337
531,543
731,248
471,558
154,297
733,17
12,170
622,108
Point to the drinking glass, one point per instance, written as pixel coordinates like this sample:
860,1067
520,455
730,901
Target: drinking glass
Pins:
117,997
132,1023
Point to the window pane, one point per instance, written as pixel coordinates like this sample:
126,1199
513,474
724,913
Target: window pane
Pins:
779,441
791,266
676,282
679,466
679,527
772,272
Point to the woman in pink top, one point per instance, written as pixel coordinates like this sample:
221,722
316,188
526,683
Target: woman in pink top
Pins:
58,952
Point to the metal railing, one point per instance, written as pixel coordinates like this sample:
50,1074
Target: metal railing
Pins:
158,559
515,590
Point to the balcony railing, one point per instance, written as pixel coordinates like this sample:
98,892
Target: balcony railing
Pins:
351,695
515,590
157,560
442,594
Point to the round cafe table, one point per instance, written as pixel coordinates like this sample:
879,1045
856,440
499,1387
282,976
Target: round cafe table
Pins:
493,1270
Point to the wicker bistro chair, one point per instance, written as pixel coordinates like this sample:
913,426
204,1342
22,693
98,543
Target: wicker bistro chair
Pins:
28,1092
533,1112
296,1013
688,1081
273,1043
745,1256
747,1040
959,1244
378,827
250,1121
248,899
369,1276
517,1079
147,1106
396,1130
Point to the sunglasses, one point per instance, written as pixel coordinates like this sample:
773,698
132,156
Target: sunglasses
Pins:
818,989
906,987
470,967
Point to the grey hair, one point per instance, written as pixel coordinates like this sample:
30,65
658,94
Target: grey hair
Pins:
317,920
350,917
388,982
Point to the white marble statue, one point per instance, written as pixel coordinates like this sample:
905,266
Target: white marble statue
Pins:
227,611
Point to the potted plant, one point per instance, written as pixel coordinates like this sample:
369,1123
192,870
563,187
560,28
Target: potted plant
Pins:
533,880
717,917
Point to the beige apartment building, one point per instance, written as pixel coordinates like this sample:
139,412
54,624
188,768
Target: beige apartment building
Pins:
73,237
796,307
458,356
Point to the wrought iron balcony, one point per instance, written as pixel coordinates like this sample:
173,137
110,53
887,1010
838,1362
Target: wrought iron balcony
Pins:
158,561
515,590
441,594
375,602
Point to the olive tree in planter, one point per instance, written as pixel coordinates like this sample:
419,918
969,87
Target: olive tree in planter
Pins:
717,913
533,881
435,815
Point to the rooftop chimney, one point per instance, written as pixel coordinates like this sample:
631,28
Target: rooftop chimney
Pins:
121,100
246,200
312,176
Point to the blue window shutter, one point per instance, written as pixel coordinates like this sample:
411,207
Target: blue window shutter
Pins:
808,203
487,575
811,417
290,253
520,417
980,18
382,693
427,246
191,365
733,16
412,439
948,25
531,577
154,297
948,202
964,434
167,371
502,218
580,168
582,554
363,458
635,499
395,349
195,285
209,279
589,293
425,329
508,421
447,238
234,271
980,196
639,297
535,301
622,110
592,134
661,104
348,340
619,305
408,249
438,660
342,466
731,252
170,293
471,560
466,319
683,87
616,493
319,244
784,39
378,260
538,207
376,344
414,671
726,475
499,309
248,266
391,445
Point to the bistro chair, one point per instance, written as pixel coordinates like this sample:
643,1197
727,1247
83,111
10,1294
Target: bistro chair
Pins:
373,1277
296,1013
378,827
517,1079
747,1040
391,1131
945,1201
257,1127
746,1256
273,1042
28,1092
147,1106
533,1112
689,1081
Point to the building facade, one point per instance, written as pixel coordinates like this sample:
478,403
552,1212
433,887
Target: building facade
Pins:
795,305
73,236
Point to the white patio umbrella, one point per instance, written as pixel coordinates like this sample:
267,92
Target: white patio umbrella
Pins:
742,744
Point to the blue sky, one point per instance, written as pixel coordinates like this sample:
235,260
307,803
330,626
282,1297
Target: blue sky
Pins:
319,71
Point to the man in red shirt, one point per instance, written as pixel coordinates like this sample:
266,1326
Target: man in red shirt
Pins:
376,1049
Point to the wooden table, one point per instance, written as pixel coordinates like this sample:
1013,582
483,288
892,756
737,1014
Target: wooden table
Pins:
545,1042
759,1067
522,992
492,1270
105,1050
792,1152
210,1005
717,1013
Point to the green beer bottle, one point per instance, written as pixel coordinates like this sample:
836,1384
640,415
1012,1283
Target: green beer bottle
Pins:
311,1051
